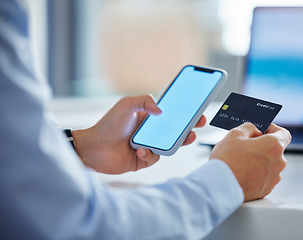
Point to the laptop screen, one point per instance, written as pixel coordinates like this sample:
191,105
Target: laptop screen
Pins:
274,65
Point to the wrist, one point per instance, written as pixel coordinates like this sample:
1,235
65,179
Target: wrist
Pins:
77,136
80,142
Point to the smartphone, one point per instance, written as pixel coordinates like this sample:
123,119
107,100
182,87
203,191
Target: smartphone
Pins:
182,105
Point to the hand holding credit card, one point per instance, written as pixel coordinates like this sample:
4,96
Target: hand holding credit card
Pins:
238,109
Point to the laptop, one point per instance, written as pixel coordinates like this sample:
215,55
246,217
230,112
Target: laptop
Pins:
274,65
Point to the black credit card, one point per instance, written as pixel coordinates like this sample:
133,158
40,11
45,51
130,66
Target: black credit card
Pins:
238,109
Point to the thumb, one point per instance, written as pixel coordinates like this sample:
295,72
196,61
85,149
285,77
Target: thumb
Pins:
145,103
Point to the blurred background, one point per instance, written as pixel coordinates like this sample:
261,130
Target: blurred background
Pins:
94,48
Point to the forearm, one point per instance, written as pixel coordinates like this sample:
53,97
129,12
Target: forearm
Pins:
47,192
186,208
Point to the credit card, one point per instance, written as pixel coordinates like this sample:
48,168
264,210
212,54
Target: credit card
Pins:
238,109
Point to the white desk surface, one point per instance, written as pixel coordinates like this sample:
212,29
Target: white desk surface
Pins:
278,216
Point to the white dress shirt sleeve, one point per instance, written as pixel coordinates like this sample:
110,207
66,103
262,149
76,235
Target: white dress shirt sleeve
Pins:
46,191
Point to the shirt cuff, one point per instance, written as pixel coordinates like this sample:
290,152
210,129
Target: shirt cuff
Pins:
221,185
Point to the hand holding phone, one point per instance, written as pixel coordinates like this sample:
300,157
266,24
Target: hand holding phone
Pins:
182,105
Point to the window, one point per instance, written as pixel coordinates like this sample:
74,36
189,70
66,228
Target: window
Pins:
105,47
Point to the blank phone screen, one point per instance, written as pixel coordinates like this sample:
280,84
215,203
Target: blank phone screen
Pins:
179,105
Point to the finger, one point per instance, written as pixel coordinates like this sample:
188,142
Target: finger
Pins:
147,156
144,103
273,128
247,130
141,115
201,122
282,134
191,137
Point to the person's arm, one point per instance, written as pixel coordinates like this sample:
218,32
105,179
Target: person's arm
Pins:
46,192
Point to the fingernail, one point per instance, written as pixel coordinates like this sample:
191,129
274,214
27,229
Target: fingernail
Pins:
142,152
